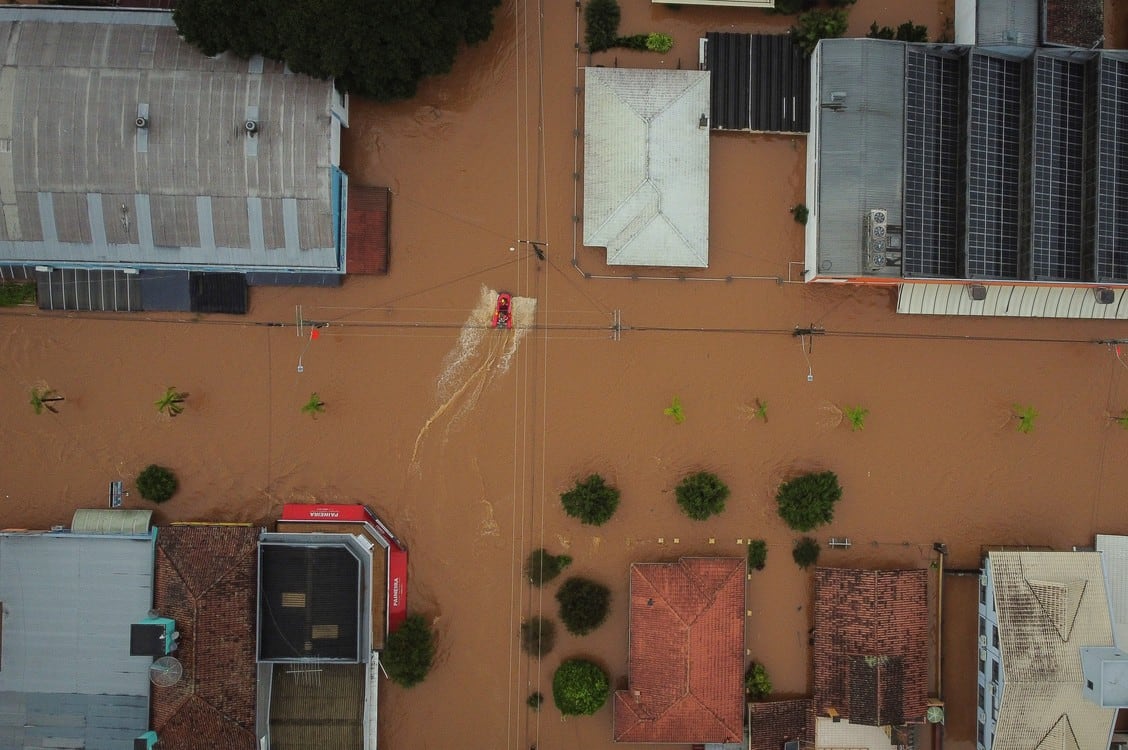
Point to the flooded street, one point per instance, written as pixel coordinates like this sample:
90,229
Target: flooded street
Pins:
462,438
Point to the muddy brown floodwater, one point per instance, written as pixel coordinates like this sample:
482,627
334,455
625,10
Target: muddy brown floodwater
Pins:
463,438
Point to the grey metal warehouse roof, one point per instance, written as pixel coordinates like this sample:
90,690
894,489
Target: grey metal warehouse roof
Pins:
65,670
646,166
81,182
995,164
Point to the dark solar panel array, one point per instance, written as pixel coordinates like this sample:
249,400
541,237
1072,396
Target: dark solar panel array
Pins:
994,150
932,134
1112,173
1057,169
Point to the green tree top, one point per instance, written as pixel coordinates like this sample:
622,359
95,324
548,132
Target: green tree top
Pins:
580,687
409,652
376,49
591,500
808,501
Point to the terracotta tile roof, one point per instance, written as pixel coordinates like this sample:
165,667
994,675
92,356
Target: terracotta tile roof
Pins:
368,232
871,645
777,722
205,580
686,653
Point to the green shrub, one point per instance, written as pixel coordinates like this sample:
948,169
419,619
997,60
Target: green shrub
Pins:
791,7
535,700
661,43
579,687
1025,416
882,32
591,500
702,495
757,554
156,483
409,652
634,41
757,684
538,636
17,293
583,605
911,32
806,552
601,19
541,566
814,25
807,501
857,417
675,411
800,214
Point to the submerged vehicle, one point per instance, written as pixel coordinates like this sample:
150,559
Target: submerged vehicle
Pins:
503,315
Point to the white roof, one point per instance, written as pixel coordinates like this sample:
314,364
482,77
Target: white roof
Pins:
1115,551
646,166
1049,604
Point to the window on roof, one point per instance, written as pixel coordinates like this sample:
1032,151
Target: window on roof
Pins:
982,626
979,733
994,671
995,635
981,694
982,592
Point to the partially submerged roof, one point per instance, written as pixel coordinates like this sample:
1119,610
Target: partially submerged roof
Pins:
369,230
319,707
686,653
66,675
646,166
205,581
1049,605
871,645
773,723
122,144
758,82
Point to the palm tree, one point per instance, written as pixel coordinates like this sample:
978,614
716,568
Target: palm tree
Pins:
42,398
314,406
171,402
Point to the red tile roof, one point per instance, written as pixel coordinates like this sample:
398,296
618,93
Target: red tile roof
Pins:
777,722
205,580
368,230
686,667
871,645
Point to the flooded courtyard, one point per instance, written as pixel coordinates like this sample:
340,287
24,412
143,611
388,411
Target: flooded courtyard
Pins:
463,437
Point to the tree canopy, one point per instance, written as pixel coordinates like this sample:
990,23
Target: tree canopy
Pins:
580,687
380,50
583,605
701,495
807,501
591,500
409,652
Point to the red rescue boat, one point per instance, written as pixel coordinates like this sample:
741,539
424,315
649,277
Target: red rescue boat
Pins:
503,315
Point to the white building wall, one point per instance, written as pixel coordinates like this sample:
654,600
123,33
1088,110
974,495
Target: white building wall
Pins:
965,21
989,688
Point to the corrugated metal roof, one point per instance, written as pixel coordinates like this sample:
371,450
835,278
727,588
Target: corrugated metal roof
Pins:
119,522
66,672
646,166
1049,604
85,184
860,144
1010,300
760,82
1115,550
1007,23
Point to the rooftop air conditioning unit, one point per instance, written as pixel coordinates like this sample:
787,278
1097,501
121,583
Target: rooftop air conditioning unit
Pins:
875,226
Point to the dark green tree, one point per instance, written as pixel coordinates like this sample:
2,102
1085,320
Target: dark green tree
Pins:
157,483
376,49
757,684
583,605
702,495
806,552
535,700
538,636
807,501
579,687
592,500
541,566
409,652
814,25
601,22
757,554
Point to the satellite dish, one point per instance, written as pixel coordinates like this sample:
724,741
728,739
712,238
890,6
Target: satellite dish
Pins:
166,671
